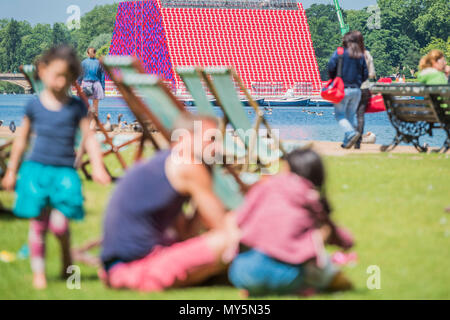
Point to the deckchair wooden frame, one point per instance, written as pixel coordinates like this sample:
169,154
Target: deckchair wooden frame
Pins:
194,83
260,115
143,114
4,155
108,140
139,108
205,75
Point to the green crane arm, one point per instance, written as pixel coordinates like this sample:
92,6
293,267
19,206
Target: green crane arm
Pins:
344,27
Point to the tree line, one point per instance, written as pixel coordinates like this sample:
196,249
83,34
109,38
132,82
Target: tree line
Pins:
21,43
407,30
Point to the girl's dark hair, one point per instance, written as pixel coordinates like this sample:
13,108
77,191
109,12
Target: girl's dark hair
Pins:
354,43
62,52
308,164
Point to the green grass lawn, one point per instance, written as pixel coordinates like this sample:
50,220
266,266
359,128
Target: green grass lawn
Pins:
393,204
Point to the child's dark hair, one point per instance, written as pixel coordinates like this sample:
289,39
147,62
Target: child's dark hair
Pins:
308,164
62,52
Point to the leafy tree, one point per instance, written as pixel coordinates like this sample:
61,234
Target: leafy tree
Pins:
409,29
10,88
357,20
439,44
60,34
98,21
101,40
406,27
103,51
434,22
11,42
323,24
411,61
33,44
24,28
4,23
378,46
3,61
398,15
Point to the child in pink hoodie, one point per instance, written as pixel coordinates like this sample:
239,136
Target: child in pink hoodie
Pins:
284,224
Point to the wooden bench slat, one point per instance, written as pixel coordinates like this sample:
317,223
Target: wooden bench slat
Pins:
424,103
413,111
417,119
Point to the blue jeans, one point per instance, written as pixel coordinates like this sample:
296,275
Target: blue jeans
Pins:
262,275
345,111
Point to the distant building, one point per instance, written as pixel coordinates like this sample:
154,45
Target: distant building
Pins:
267,42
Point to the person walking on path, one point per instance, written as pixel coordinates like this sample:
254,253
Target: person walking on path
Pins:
365,89
354,73
93,79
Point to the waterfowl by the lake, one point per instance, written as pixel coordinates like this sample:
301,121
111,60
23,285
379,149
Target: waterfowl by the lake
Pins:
107,125
136,126
116,126
12,126
369,138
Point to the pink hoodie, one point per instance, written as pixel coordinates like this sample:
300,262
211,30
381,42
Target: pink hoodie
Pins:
280,217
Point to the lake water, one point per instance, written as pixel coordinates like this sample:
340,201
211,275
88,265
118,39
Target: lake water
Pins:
292,122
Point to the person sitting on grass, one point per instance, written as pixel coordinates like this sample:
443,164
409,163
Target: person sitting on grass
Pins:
47,178
433,68
147,204
284,224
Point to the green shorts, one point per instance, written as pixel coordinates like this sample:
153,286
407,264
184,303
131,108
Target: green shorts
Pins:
39,186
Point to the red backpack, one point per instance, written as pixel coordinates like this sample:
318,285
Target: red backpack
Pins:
334,89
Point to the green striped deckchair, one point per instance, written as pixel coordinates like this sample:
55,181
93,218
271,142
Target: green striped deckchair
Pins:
222,83
161,105
192,79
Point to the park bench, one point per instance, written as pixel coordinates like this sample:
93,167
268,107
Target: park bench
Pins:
415,110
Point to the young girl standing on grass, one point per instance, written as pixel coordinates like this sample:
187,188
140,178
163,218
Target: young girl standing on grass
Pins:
48,189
